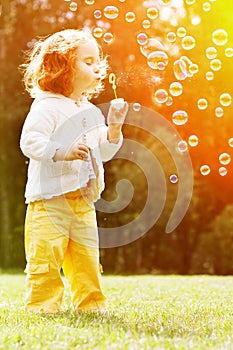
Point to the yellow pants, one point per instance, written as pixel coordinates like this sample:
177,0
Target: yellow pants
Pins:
62,233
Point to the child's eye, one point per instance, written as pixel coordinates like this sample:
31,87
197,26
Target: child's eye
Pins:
89,62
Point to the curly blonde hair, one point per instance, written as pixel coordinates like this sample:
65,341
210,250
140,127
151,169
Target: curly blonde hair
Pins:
50,63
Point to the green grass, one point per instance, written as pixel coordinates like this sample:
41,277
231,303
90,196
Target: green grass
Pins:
148,312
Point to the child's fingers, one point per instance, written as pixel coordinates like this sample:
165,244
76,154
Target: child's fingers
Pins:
81,151
83,147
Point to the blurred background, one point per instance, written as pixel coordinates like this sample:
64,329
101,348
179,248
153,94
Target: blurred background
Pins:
174,57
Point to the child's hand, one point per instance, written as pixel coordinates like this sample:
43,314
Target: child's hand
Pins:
117,116
76,151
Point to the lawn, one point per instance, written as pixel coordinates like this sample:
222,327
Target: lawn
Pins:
147,312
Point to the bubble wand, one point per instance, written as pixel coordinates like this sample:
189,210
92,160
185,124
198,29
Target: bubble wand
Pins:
118,103
112,81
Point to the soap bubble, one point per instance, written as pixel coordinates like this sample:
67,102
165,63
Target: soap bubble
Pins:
136,107
181,32
142,38
180,117
190,2
193,140
89,2
182,146
229,52
97,32
193,68
202,104
205,169
173,178
152,12
176,89
169,101
111,12
130,17
225,99
188,64
224,158
73,6
220,37
108,38
188,42
219,112
206,6
151,46
157,60
222,171
211,52
165,2
161,96
216,64
230,142
97,14
180,70
146,24
171,37
209,76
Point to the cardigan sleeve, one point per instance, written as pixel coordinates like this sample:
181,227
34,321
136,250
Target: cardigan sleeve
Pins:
35,141
107,149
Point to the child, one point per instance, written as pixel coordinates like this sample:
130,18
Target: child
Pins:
66,139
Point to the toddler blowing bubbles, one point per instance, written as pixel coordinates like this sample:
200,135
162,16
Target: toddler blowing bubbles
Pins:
66,140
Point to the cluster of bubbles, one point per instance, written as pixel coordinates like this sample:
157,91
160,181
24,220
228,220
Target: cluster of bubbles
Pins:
224,159
183,68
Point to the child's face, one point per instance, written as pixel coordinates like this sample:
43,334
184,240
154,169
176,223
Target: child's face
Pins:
87,69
